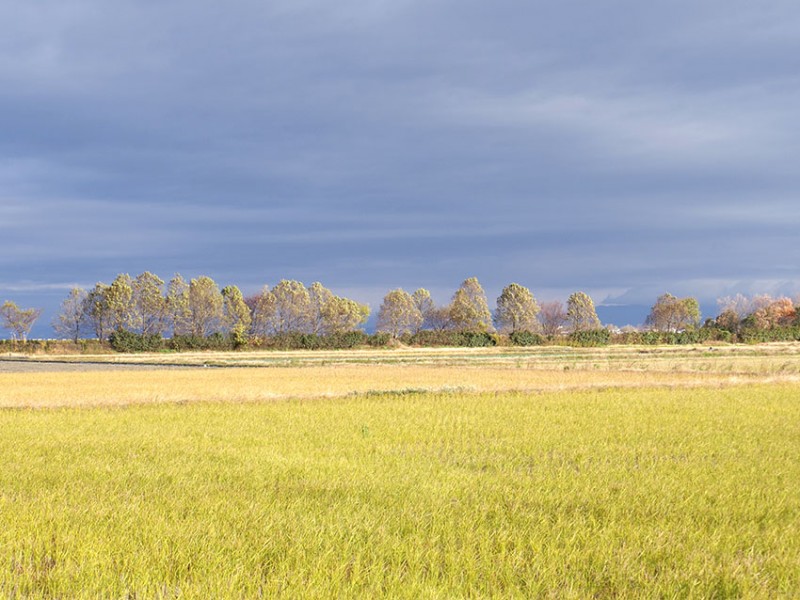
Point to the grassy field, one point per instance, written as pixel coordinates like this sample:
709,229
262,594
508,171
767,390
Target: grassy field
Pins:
338,479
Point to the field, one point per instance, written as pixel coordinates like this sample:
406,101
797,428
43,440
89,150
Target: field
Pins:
420,474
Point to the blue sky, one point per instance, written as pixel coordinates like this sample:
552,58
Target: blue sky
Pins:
624,148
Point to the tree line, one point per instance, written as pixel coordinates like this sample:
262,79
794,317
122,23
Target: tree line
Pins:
198,309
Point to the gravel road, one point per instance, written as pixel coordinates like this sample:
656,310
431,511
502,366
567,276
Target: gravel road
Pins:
40,366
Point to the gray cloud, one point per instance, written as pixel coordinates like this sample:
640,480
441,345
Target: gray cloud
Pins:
625,148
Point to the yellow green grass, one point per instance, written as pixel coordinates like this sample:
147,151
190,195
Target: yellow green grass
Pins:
604,492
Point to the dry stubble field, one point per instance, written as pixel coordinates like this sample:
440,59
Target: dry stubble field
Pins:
549,472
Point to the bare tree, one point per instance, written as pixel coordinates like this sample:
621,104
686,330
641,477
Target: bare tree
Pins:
18,321
553,316
71,318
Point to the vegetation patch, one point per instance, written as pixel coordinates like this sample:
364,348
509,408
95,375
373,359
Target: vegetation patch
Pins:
599,493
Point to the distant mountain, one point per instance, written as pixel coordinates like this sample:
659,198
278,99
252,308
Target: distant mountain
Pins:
635,314
623,314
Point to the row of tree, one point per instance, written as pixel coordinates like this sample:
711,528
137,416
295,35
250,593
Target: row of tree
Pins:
148,306
516,310
199,308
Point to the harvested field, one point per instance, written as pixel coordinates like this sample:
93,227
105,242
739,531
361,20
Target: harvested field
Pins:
777,358
90,386
149,378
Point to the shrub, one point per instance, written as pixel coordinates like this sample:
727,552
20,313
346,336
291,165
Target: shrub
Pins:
526,338
478,340
127,341
380,339
215,341
590,338
312,341
471,339
776,334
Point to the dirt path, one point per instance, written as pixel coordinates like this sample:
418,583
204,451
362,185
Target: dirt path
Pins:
40,366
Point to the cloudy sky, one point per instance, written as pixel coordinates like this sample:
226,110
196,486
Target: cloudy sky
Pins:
625,148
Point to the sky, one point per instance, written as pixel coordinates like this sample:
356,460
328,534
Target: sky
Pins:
623,148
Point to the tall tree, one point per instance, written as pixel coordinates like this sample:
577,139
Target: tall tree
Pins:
425,305
149,304
341,315
205,306
673,314
778,313
318,296
292,307
729,320
399,314
71,318
18,321
469,309
516,310
119,301
236,317
98,312
552,316
693,310
262,307
581,313
177,306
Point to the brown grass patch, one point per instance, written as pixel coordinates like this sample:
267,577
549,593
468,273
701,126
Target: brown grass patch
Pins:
120,387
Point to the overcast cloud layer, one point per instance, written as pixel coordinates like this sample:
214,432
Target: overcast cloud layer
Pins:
625,148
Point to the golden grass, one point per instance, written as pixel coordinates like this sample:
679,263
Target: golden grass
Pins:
121,387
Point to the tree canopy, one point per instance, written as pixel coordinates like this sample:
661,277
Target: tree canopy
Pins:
18,321
199,308
516,310
673,314
581,314
399,314
469,310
